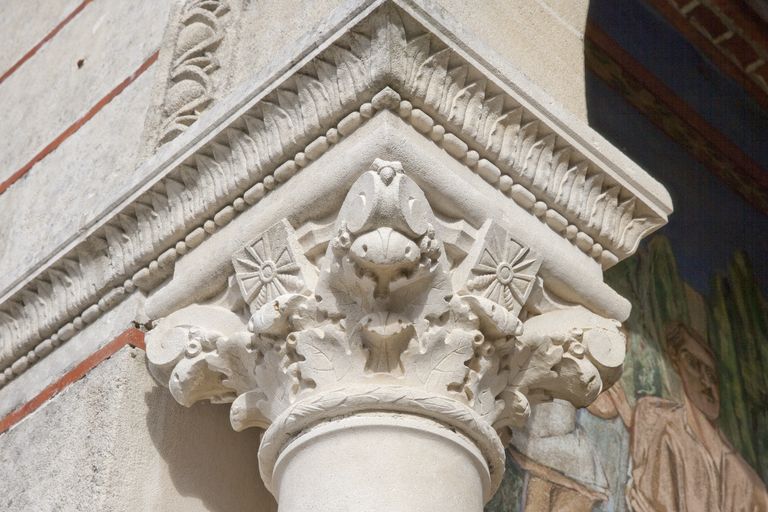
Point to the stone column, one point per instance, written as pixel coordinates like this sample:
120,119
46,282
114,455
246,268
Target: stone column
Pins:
381,461
394,252
382,244
387,371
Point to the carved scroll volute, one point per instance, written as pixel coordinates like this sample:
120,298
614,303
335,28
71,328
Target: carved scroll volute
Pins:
180,348
571,354
384,322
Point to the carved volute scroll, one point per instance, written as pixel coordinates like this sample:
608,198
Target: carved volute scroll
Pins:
386,321
384,62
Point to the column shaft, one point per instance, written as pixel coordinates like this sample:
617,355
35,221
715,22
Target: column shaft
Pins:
381,462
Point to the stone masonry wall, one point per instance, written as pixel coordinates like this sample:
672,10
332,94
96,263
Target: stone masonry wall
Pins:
113,441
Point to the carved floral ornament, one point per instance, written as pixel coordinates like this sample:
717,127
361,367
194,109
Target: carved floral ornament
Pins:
387,319
581,189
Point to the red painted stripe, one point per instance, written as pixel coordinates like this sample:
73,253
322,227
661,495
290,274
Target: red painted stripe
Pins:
749,170
715,54
77,124
44,40
132,337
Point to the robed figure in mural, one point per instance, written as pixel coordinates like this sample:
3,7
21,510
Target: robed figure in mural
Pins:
681,460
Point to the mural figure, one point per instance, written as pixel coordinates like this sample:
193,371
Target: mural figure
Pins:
681,459
686,427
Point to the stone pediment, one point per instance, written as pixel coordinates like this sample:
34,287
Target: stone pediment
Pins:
388,85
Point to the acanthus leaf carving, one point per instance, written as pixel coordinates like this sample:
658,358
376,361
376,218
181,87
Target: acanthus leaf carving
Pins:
193,63
439,361
323,356
385,308
433,86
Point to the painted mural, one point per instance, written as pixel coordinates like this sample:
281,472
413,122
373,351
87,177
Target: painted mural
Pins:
686,428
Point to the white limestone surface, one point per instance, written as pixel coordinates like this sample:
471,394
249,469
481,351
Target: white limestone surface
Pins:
542,39
50,92
20,35
261,49
534,36
73,185
53,366
381,463
114,442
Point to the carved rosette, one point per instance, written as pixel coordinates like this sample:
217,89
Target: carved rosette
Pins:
385,321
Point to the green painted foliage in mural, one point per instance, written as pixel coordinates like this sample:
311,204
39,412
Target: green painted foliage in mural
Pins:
738,333
651,282
509,497
736,328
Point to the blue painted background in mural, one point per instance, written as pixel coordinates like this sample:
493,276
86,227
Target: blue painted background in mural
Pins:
710,220
715,242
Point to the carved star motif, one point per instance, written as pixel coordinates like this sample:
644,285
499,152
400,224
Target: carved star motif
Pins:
504,272
266,269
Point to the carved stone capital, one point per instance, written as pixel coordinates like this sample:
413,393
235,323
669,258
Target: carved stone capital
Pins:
394,315
390,82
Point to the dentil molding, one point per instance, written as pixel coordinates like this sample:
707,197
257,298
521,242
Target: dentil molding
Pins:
389,60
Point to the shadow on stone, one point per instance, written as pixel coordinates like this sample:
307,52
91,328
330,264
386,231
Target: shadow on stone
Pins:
206,459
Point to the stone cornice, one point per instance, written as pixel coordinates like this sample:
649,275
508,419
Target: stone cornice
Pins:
384,60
